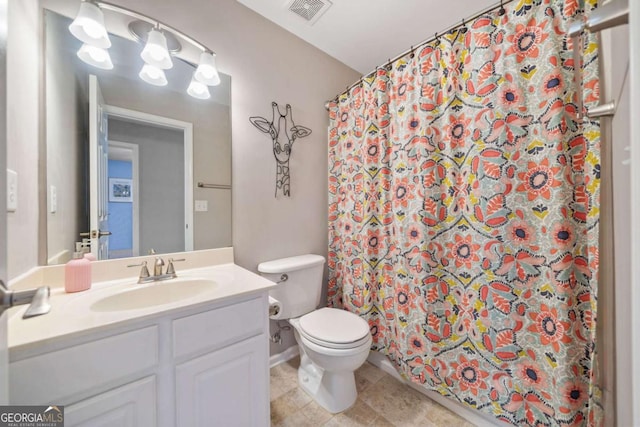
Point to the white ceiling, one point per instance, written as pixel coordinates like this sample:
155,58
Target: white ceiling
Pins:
365,33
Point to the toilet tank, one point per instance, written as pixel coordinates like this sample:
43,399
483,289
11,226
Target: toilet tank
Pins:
299,281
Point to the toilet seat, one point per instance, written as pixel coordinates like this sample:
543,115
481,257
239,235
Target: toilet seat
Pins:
334,328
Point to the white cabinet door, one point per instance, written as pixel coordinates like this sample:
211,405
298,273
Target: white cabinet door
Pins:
132,405
226,388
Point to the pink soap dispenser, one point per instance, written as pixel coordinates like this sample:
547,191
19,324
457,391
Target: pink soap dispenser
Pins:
77,272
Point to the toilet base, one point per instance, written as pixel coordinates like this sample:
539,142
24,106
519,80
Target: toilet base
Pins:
334,391
327,374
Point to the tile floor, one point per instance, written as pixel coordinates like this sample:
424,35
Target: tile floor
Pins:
382,401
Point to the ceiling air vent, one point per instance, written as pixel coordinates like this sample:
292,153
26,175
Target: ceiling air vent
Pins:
309,10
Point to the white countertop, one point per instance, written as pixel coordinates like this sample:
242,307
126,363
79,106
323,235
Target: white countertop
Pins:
71,314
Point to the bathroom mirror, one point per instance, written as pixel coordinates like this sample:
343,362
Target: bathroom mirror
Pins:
159,144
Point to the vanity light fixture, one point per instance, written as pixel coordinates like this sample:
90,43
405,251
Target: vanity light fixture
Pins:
198,89
160,43
155,52
88,27
153,75
95,56
207,71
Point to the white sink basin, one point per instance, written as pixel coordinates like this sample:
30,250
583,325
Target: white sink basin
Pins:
153,294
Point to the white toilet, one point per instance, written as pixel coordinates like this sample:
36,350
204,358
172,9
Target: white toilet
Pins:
333,343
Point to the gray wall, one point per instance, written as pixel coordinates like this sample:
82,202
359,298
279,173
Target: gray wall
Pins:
23,120
4,355
267,64
66,108
631,320
3,165
161,185
212,164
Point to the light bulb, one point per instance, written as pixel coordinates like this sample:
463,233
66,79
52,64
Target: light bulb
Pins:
153,75
88,27
207,72
198,89
155,52
92,28
95,56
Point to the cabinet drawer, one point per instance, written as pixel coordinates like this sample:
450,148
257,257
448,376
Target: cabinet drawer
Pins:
222,326
130,405
70,373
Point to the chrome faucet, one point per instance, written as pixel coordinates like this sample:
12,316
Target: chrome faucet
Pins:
145,277
157,267
38,300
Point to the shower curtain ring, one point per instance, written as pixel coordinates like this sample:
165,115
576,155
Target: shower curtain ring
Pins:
502,11
412,53
437,38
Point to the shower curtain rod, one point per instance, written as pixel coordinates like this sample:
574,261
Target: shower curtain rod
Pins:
419,45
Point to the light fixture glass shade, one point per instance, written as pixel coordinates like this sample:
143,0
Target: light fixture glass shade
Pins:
198,89
207,72
153,75
95,56
155,52
88,27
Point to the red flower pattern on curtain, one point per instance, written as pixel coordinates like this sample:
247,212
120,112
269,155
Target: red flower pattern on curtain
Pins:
463,215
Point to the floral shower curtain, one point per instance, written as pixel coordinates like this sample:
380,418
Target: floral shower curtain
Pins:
463,214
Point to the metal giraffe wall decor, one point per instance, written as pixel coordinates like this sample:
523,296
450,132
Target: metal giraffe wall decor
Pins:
280,127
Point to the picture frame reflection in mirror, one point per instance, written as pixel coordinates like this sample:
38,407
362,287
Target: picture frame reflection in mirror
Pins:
120,190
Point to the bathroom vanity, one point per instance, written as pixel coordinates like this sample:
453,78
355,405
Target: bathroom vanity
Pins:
124,353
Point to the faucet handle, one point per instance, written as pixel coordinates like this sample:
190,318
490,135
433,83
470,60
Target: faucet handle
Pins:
170,268
39,304
144,271
38,300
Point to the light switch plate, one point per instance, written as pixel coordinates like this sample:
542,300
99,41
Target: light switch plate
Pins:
12,190
53,199
202,205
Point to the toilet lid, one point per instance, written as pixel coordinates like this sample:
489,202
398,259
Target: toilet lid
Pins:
332,325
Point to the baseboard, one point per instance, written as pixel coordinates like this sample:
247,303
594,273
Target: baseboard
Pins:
282,357
380,360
